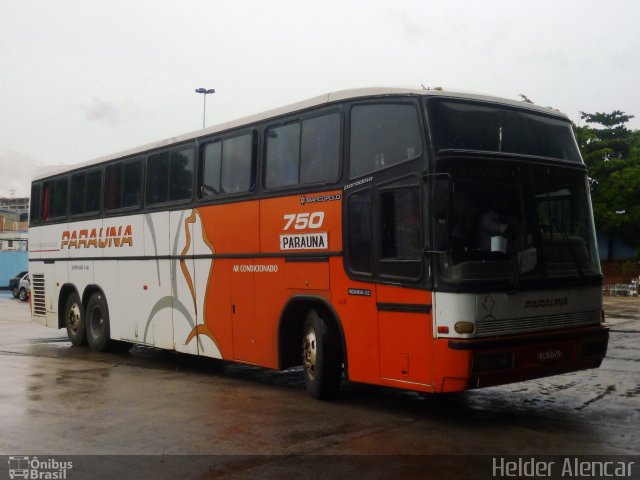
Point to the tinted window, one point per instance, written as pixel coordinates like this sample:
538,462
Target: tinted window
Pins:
212,163
383,135
54,199
227,166
123,185
132,184
303,152
181,175
170,176
359,230
320,149
400,222
237,164
478,126
283,155
35,203
86,190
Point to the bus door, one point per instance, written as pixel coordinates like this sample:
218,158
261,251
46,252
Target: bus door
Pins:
384,245
386,159
404,309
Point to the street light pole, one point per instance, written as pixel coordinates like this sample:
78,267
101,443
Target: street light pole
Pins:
204,93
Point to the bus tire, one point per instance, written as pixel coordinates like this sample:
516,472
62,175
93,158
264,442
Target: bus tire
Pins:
97,320
74,320
321,361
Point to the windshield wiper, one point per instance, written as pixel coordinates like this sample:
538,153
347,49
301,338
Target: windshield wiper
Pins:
570,248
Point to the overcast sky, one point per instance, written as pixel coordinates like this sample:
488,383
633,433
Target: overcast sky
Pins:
84,78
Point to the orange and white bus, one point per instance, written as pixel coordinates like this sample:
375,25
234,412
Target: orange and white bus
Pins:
424,240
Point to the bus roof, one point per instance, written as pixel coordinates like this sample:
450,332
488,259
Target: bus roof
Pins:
51,170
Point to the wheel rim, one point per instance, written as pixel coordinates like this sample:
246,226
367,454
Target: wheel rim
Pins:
73,319
309,353
97,322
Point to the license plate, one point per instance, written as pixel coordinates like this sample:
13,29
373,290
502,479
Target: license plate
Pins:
550,355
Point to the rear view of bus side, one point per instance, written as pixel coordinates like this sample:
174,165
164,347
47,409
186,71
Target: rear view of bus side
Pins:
422,240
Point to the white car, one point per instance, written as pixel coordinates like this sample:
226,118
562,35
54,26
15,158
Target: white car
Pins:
24,288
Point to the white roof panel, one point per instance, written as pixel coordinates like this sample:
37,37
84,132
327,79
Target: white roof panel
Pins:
299,106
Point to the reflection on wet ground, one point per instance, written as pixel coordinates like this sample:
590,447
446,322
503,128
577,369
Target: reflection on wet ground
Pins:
145,400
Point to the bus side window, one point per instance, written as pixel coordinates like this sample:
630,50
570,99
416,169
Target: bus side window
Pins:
236,169
283,156
35,203
383,135
132,184
93,192
86,190
359,232
78,191
400,224
211,163
158,178
181,175
112,186
54,201
320,149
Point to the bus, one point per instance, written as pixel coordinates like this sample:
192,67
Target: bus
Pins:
426,240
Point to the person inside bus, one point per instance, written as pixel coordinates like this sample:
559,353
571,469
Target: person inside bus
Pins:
495,226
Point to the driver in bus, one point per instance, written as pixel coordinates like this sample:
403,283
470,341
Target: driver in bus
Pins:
495,226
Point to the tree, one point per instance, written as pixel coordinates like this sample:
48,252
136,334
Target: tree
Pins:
612,154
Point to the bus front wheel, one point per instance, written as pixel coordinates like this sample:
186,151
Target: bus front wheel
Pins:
74,320
320,357
97,318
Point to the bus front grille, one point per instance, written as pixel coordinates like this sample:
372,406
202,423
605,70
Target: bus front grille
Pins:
37,295
492,326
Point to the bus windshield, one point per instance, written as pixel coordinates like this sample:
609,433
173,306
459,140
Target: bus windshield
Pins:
518,223
476,126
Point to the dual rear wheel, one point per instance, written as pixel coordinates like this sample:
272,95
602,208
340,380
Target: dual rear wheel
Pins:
90,326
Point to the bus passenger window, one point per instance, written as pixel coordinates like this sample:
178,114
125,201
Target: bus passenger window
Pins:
158,178
78,191
35,203
383,135
86,190
112,187
211,169
283,156
93,192
236,171
54,199
132,184
181,175
320,149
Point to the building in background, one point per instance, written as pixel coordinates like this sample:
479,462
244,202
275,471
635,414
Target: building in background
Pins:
14,222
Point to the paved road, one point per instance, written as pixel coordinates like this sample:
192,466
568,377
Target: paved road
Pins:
63,400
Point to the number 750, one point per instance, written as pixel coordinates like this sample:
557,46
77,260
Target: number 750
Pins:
301,221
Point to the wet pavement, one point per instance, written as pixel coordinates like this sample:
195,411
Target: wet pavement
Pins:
58,399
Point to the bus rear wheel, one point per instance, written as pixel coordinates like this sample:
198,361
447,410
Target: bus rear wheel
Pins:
320,357
74,320
97,318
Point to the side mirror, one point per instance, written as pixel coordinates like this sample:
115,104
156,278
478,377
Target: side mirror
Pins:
440,195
